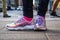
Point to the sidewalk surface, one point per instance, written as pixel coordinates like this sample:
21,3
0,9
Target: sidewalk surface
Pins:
53,25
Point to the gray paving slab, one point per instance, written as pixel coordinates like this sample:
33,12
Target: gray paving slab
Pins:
3,23
22,39
53,36
22,35
53,24
53,32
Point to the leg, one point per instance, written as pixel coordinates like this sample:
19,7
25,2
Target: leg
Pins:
50,5
20,2
42,8
8,5
27,13
28,8
16,4
33,4
55,5
20,5
53,13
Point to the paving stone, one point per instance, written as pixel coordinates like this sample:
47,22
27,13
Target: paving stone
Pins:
22,35
3,23
53,37
23,39
53,24
53,34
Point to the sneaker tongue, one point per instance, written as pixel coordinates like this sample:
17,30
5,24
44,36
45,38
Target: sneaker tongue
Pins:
39,21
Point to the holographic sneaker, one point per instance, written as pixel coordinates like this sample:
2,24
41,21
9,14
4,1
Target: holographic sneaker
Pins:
40,23
20,24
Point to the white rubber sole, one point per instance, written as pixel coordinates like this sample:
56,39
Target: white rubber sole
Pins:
27,27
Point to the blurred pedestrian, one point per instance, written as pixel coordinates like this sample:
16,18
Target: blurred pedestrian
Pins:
8,4
20,5
16,4
51,4
35,2
53,12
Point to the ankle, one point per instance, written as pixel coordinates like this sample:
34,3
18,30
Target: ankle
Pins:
28,19
41,16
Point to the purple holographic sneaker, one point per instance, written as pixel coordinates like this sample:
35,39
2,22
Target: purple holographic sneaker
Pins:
21,24
40,23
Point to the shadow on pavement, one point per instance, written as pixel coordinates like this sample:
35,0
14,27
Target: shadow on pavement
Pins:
53,31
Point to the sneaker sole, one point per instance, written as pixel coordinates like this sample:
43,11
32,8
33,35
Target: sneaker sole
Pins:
41,29
21,28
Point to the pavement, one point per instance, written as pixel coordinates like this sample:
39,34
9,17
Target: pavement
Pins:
53,25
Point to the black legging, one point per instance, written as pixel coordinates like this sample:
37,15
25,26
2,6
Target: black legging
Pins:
28,8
